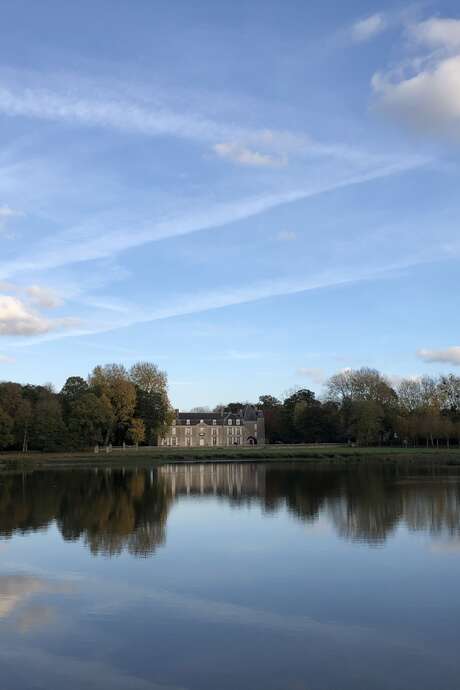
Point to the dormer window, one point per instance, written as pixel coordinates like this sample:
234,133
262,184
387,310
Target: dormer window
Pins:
229,422
188,422
201,421
238,421
214,422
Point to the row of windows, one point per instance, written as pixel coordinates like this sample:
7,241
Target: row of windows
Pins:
188,442
214,422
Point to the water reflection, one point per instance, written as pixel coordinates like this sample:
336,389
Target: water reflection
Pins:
113,511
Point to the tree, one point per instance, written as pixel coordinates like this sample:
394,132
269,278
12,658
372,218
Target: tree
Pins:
152,402
6,429
73,389
14,403
360,384
367,421
48,431
136,432
113,382
89,420
273,415
148,377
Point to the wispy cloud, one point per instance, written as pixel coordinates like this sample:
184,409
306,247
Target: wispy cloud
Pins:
85,243
365,29
43,297
314,374
6,214
187,304
286,236
118,108
246,156
6,359
107,110
450,355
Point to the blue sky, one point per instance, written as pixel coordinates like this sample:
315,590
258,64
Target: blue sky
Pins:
252,195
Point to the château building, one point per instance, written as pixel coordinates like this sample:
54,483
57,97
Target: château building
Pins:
211,429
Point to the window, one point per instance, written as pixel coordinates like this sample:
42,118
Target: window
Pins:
188,421
214,441
238,421
187,432
214,432
201,421
188,441
214,422
173,431
229,422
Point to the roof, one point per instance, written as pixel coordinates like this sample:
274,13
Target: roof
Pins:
249,414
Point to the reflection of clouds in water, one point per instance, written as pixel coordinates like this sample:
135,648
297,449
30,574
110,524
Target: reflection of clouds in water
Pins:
16,590
34,617
55,671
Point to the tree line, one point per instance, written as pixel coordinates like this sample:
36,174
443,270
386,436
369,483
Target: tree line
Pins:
117,405
113,405
364,407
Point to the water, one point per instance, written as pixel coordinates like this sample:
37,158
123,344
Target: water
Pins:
230,577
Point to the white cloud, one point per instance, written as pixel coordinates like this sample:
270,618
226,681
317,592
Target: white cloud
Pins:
245,156
430,100
6,359
437,33
43,297
314,374
367,28
425,92
16,318
286,236
450,355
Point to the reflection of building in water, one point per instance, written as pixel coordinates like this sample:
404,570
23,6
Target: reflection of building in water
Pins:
210,429
214,479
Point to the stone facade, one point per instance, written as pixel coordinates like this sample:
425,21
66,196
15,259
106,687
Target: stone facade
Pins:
209,429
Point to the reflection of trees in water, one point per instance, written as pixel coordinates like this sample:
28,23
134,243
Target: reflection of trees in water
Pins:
116,511
369,507
434,506
302,490
111,511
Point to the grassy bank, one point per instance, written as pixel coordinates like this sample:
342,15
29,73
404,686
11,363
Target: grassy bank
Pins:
301,453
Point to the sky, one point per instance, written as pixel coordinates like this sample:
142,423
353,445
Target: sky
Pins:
253,195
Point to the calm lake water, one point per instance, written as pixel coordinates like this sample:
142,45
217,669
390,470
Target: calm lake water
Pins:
226,577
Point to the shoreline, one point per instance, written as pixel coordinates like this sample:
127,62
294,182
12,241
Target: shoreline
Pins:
152,457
